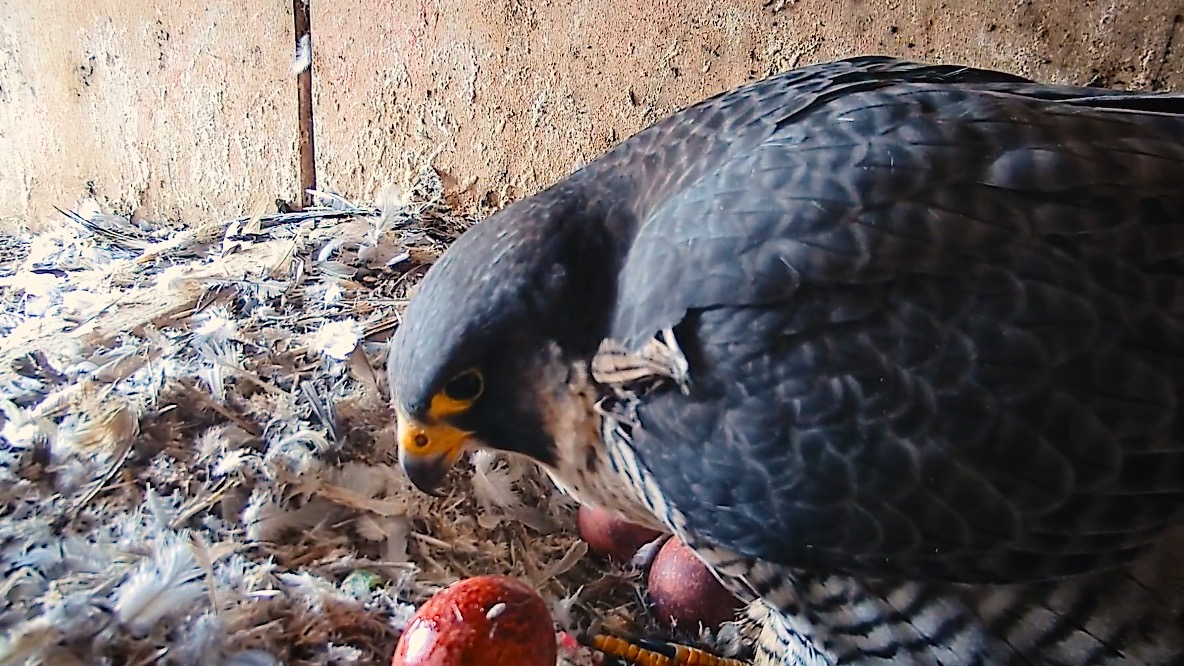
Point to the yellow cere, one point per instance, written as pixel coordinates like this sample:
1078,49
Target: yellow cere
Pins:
437,437
429,441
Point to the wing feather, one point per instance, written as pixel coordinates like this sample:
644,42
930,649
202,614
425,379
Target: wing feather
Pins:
936,326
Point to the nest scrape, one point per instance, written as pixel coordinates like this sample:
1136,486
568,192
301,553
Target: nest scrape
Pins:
196,457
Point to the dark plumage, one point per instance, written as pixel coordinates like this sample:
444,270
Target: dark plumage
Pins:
933,321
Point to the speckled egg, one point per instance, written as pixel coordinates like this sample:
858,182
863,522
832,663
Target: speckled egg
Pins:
684,593
480,621
610,535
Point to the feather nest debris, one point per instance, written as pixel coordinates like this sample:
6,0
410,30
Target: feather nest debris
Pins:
196,461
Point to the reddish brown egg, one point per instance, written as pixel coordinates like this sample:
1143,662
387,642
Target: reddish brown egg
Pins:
612,536
480,621
684,593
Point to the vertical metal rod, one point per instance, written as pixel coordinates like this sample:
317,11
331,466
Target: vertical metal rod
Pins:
307,145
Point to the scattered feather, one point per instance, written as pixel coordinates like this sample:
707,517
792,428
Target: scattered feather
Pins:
336,339
303,57
167,583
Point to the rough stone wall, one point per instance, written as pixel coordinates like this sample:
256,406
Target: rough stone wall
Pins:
173,111
507,96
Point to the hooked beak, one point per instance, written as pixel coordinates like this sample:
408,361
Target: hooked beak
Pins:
426,453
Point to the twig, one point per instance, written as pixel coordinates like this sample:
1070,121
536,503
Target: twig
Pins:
125,452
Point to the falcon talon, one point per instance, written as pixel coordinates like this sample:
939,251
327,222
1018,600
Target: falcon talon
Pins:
615,366
680,368
661,359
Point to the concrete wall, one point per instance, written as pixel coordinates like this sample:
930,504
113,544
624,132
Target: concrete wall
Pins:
190,108
510,95
168,110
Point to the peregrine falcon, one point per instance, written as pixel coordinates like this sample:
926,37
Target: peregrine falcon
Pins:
897,348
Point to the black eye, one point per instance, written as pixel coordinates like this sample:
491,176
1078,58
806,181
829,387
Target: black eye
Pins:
465,387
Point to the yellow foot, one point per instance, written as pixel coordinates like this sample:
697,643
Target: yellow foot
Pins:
657,653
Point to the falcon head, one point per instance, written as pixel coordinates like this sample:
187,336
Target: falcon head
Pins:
495,324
